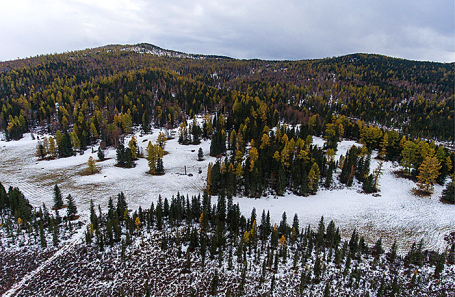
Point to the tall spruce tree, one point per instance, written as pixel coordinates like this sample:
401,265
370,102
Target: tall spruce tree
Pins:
121,155
58,199
65,147
448,194
71,209
159,167
100,153
121,206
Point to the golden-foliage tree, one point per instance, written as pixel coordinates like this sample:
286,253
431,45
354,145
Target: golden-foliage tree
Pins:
161,140
92,165
408,153
137,222
428,173
132,144
52,148
384,145
154,152
253,155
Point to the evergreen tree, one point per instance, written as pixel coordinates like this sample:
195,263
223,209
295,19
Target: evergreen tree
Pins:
327,290
317,269
377,250
121,206
65,148
121,157
214,284
329,178
128,158
42,236
368,184
101,156
393,251
159,167
55,240
71,209
200,155
93,217
448,194
159,213
440,265
147,290
58,199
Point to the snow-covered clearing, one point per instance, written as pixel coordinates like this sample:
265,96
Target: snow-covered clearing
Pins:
395,214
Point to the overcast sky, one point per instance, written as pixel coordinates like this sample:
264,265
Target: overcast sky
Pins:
245,29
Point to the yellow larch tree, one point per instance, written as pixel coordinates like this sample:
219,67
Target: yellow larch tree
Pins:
92,165
253,155
428,173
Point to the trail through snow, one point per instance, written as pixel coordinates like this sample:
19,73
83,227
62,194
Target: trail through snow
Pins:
67,247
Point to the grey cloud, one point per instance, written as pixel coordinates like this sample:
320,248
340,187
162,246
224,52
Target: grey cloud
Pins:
420,29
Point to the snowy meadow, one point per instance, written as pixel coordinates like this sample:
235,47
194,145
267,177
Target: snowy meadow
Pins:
396,213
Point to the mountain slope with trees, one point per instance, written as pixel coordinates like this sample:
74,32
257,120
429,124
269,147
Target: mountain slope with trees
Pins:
416,97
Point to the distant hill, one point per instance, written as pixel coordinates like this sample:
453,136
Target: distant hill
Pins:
417,98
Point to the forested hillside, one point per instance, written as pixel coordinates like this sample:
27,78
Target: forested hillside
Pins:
114,87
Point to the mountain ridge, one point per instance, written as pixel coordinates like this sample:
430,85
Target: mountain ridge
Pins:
148,48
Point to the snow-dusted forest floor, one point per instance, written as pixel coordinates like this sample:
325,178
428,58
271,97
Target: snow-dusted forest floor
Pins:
173,270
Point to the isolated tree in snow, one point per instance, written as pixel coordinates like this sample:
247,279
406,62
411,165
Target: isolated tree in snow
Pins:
58,200
92,165
200,155
376,174
154,153
129,158
121,155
